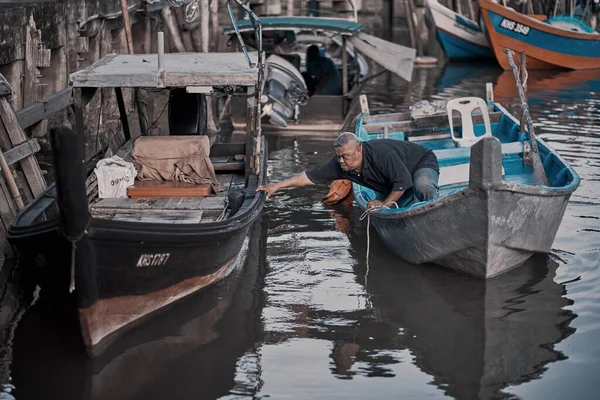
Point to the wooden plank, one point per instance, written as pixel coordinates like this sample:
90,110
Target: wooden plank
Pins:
398,117
161,217
224,181
409,126
229,166
17,136
213,203
21,151
227,149
190,204
181,69
31,50
465,152
154,189
39,111
386,117
393,57
237,182
109,203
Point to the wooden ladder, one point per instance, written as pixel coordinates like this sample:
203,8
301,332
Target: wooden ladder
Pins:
21,179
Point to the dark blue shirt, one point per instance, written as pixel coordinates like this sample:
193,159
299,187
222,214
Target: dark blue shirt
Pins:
323,66
388,165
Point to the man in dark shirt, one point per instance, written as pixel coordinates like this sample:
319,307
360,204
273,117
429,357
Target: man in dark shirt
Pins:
325,79
400,171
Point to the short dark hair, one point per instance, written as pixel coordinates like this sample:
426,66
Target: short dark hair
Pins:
346,138
312,51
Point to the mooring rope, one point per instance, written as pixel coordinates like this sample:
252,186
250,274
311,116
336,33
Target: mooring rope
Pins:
367,214
74,240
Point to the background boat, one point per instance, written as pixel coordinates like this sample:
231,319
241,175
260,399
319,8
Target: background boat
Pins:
546,45
460,37
287,102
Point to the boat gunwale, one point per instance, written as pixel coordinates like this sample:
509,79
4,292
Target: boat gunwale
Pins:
229,30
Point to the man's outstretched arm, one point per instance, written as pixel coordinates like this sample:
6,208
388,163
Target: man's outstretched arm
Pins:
297,180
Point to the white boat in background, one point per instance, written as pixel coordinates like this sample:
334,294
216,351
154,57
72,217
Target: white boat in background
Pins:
460,37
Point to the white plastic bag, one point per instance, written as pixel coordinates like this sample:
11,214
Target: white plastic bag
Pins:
114,175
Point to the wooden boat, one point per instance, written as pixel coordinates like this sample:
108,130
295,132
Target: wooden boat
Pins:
211,329
127,258
460,37
547,45
492,213
287,103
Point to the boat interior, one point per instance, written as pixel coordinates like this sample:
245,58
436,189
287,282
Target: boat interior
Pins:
452,145
174,201
292,46
163,201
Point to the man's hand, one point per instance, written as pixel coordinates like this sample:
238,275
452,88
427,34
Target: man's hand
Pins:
270,189
297,180
374,203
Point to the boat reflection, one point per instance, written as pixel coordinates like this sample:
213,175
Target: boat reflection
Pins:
190,350
474,337
549,85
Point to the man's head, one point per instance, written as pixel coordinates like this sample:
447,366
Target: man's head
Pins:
312,52
348,150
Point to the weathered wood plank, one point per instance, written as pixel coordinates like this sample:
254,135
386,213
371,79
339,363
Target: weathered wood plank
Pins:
224,180
17,136
227,149
213,203
21,151
182,69
39,111
109,203
161,217
410,126
229,165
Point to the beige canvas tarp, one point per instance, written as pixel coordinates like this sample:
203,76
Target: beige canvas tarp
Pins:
174,158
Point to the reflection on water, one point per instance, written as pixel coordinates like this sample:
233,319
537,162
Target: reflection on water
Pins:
306,319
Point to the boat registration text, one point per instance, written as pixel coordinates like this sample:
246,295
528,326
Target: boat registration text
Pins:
515,26
153,260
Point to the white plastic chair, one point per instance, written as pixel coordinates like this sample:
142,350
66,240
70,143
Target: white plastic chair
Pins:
466,106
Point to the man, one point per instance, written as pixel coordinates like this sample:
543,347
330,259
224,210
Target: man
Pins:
402,171
324,78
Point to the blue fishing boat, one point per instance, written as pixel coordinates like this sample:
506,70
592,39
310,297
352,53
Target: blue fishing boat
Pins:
460,37
503,192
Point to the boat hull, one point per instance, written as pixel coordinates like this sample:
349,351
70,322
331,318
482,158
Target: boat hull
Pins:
107,317
460,37
546,46
480,233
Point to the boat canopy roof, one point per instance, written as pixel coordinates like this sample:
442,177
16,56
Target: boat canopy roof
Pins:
180,70
339,25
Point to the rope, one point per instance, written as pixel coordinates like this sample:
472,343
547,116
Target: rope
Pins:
73,240
367,214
